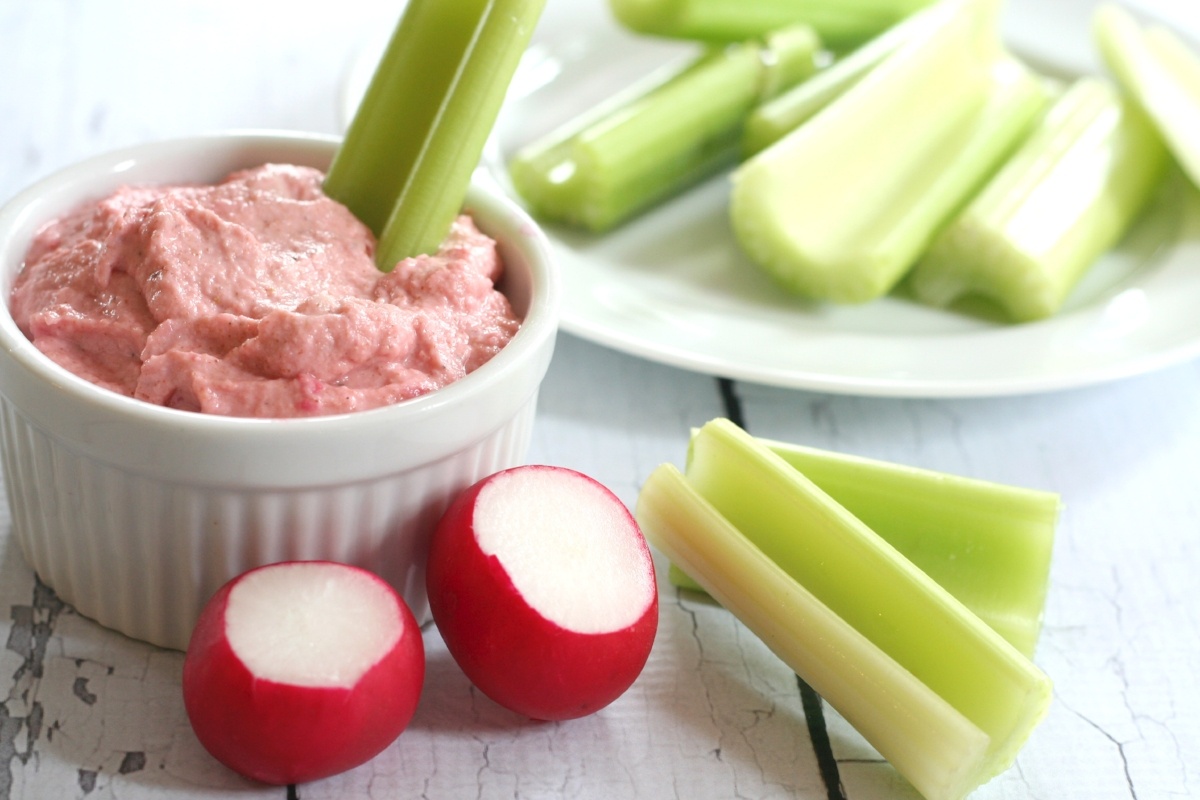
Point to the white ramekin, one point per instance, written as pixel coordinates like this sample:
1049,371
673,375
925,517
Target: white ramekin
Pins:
135,514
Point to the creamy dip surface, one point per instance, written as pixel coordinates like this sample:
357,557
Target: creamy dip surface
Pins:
257,296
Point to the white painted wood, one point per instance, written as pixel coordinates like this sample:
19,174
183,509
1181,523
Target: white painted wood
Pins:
87,713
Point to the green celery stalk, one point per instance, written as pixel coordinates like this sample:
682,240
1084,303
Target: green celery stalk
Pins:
774,119
935,690
1157,68
651,146
417,137
1066,196
840,23
988,544
841,208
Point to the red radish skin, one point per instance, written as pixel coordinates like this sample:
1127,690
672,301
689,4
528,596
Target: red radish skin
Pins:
509,648
284,732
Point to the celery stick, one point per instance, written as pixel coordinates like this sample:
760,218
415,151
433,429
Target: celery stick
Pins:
914,628
988,544
771,121
841,207
1067,195
841,23
660,142
417,137
1156,67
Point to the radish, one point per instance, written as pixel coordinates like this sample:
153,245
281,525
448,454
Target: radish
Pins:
543,587
301,670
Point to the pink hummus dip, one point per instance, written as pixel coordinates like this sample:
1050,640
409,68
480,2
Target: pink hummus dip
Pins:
256,297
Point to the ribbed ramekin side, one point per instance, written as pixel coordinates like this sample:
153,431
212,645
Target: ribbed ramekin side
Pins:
142,556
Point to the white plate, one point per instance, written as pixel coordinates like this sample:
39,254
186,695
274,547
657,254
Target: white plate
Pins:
672,286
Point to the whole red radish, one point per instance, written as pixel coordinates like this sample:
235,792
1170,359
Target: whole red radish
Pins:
542,586
301,670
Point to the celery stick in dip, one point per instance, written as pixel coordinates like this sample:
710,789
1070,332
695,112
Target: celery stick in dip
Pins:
415,140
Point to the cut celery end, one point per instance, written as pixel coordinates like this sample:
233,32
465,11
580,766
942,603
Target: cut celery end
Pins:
418,134
987,544
840,23
654,145
1065,197
942,696
833,213
774,119
1157,68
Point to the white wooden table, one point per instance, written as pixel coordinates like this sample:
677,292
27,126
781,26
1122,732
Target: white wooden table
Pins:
85,712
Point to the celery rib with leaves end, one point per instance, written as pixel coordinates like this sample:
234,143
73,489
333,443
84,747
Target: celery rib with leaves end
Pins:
840,23
656,144
988,544
409,153
771,121
943,697
841,208
1161,72
1064,198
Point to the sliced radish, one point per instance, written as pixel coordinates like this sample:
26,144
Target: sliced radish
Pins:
301,670
542,586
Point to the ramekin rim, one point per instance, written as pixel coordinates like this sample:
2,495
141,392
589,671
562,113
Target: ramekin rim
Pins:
539,323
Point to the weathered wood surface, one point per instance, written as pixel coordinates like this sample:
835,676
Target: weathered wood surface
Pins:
88,713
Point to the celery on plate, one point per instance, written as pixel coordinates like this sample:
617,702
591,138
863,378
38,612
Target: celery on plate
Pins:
841,207
988,544
1156,67
417,137
600,172
1065,197
775,118
840,23
934,689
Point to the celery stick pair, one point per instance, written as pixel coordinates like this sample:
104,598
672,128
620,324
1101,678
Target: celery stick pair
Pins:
940,694
840,23
417,137
988,544
841,207
600,170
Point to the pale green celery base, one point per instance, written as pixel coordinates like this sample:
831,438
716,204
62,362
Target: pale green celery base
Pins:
931,744
771,121
833,215
840,23
413,144
1064,198
870,585
1156,67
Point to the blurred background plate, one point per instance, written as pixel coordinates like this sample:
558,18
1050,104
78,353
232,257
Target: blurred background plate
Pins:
672,286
